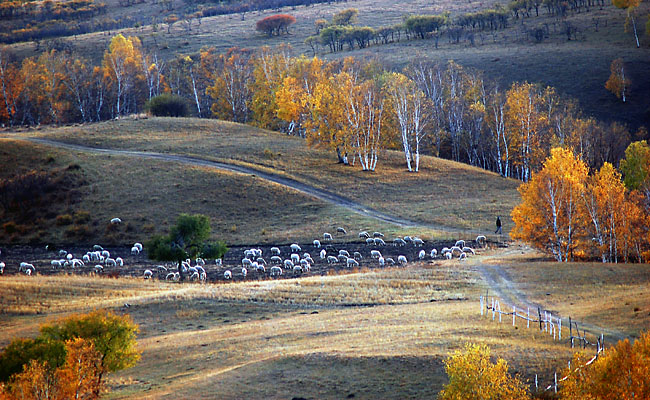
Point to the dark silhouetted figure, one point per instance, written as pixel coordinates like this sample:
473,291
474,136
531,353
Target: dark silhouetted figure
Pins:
498,226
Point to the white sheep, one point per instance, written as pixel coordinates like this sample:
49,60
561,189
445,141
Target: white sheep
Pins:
378,234
261,268
116,221
276,260
332,260
261,260
317,243
97,247
24,266
357,256
327,236
218,262
375,254
109,262
323,254
138,245
456,249
244,272
417,242
200,261
481,240
99,269
62,253
462,256
135,251
170,276
69,256
76,263
288,264
86,258
448,255
344,253
310,260
399,242
276,271
161,269
379,242
382,262
295,248
148,274
434,253
227,274
469,250
402,259
275,251
422,254
408,239
364,234
460,243
55,264
370,241
341,230
2,268
352,263
297,270
246,262
390,261
119,261
295,258
444,251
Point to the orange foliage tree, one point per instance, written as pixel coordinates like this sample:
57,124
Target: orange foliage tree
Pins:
617,82
622,373
549,215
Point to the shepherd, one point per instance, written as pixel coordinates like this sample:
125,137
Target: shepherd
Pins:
498,225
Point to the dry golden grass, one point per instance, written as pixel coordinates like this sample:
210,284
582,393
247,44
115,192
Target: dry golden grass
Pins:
444,193
280,339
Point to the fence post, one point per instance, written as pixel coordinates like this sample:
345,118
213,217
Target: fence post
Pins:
539,314
514,314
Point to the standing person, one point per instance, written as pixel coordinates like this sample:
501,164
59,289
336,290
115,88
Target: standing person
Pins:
498,225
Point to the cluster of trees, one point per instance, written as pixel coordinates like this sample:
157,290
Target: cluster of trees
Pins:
621,372
69,358
275,24
444,110
243,6
575,214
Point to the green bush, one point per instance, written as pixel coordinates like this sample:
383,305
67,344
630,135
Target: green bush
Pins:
168,105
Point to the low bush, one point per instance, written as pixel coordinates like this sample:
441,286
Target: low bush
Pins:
168,105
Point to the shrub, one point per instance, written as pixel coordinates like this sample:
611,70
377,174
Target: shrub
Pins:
81,217
64,219
168,105
275,24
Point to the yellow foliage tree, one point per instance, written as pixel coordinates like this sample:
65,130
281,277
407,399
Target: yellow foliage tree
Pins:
473,376
630,6
617,82
622,373
270,68
121,68
549,215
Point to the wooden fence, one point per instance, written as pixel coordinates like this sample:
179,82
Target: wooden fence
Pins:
547,323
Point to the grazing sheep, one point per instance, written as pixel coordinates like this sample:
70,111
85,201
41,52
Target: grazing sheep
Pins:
63,253
28,272
357,256
332,260
200,261
317,244
97,247
295,248
138,245
169,276
276,271
148,274
456,249
417,242
297,270
448,255
444,251
99,269
323,253
462,256
460,243
276,260
255,264
434,253
343,258
275,251
310,260
399,242
402,259
76,263
24,266
227,274
69,256
344,253
327,236
370,241
469,250
408,239
422,254
2,268
86,258
218,262
262,269
378,234
364,234
116,221
379,242
341,230
390,261
161,269
352,263
288,264
261,260
375,254
481,240
244,272
246,262
135,251
119,261
55,264
382,262
295,258
109,262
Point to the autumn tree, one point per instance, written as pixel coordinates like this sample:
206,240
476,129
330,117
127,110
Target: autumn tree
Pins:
472,375
121,68
270,67
275,24
11,88
230,88
187,239
621,373
345,17
549,215
636,166
630,6
617,82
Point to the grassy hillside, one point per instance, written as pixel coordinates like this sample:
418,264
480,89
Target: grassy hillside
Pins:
577,68
444,193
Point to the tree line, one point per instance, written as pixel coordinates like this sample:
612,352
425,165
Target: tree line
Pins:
354,107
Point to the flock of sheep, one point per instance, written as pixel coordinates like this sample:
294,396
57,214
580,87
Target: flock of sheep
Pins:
294,261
